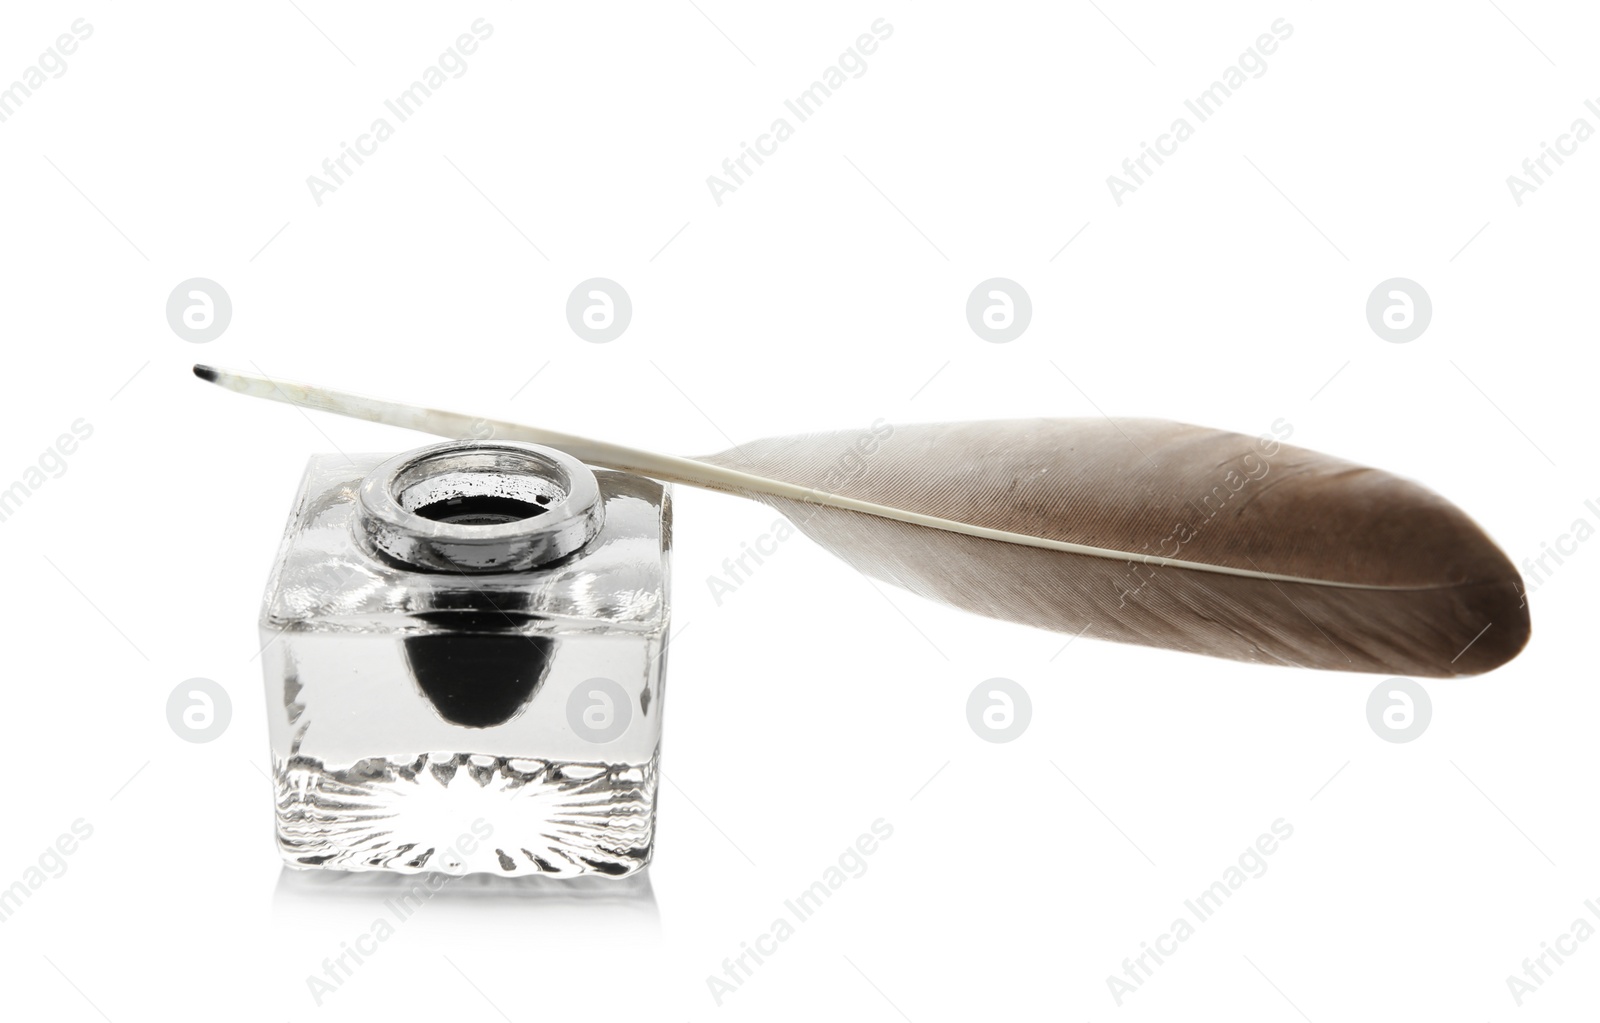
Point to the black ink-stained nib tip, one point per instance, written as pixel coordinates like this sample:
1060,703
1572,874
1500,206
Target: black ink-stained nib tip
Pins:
205,373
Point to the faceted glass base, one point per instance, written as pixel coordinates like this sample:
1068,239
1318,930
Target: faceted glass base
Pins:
464,813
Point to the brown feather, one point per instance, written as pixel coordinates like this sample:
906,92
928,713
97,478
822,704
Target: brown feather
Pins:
1424,592
1177,536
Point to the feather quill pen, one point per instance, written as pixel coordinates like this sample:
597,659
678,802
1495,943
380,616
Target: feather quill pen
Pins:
1135,530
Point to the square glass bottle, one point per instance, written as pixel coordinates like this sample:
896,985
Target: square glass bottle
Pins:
464,655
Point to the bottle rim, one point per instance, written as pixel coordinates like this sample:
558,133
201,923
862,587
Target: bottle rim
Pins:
405,503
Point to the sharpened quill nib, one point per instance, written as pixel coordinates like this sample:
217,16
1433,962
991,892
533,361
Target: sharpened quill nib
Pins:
1147,531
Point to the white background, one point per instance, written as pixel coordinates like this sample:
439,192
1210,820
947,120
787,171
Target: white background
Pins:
828,291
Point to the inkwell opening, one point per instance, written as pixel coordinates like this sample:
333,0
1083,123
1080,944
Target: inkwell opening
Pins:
485,513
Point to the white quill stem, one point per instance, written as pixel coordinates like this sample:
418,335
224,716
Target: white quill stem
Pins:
671,468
